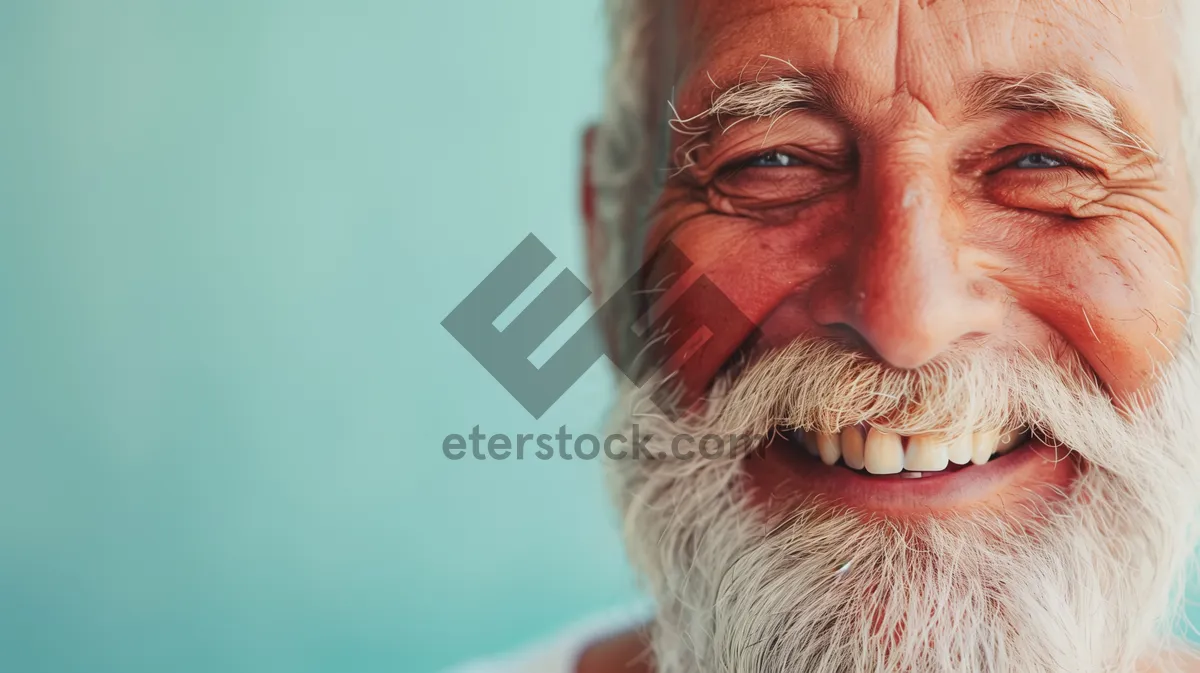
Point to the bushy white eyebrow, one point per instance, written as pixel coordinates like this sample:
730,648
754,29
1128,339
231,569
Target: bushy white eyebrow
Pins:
1055,92
770,98
760,98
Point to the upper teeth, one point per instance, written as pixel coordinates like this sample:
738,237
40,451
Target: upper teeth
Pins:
885,453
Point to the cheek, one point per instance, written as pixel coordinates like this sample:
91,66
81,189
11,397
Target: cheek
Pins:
754,265
1116,301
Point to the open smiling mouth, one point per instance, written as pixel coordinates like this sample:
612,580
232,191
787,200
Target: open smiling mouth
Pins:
871,452
876,471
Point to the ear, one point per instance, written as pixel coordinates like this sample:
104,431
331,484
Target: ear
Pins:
594,234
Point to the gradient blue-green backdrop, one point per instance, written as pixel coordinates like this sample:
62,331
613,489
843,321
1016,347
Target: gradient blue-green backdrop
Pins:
228,233
229,230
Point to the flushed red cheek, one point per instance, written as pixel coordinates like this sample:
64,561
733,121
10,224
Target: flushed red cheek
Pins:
1112,300
754,267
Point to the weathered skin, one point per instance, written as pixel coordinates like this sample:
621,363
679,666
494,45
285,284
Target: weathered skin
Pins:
907,228
922,243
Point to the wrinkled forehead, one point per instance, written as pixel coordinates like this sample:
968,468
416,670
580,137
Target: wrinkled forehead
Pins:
875,49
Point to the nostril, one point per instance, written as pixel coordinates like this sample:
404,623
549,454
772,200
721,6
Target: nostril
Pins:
854,339
974,337
846,335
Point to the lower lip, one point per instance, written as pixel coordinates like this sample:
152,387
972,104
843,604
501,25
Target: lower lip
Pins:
784,474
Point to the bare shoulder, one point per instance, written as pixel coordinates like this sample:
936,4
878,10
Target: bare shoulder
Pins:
624,652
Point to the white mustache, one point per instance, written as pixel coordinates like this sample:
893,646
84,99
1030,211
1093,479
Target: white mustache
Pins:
823,385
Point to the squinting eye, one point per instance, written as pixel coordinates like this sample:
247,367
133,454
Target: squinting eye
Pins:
1039,160
774,159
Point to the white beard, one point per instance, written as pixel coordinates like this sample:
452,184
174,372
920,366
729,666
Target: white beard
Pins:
1086,582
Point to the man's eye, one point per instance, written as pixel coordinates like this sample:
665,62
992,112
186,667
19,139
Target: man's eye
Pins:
1039,160
774,159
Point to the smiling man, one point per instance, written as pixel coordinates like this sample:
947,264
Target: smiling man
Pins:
961,232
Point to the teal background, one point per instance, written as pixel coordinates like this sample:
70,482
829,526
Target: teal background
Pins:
228,233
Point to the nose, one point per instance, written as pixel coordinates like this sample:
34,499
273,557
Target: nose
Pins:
907,284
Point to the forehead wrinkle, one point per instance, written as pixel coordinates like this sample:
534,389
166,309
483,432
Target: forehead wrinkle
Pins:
768,86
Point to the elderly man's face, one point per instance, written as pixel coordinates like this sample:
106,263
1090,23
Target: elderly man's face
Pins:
937,200
921,180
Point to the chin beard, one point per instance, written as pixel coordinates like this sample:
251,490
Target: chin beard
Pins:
1089,581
